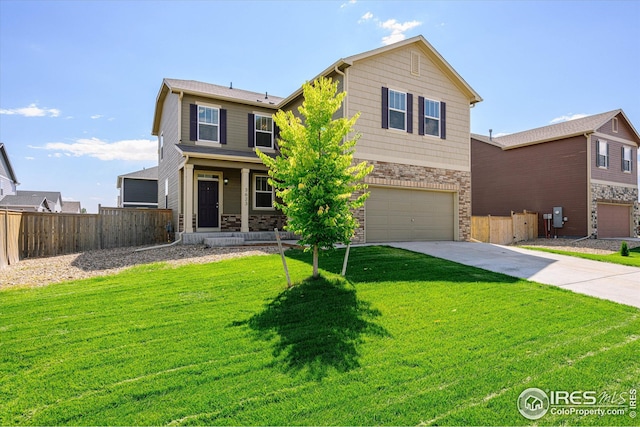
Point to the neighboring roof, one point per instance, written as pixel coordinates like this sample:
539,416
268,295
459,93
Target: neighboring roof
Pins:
12,174
54,196
148,173
15,201
71,207
585,125
434,55
209,90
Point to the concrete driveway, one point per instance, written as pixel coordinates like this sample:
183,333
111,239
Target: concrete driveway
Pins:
614,282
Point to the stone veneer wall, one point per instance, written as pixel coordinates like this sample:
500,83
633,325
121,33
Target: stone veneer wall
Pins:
232,222
614,194
411,176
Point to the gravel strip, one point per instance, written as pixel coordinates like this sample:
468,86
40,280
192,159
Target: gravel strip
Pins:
590,246
36,272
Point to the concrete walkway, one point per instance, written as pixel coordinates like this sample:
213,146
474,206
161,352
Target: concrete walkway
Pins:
614,282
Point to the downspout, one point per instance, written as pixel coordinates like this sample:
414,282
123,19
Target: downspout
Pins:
180,95
345,86
589,198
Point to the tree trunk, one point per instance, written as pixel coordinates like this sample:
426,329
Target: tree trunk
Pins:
315,261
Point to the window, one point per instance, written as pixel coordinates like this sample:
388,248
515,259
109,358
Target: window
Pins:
397,110
208,124
614,125
602,154
627,159
263,193
264,131
431,117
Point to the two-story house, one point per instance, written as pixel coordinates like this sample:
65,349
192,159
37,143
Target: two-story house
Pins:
8,180
414,125
587,167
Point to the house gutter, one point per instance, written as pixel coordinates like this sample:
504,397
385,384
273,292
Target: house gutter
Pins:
589,193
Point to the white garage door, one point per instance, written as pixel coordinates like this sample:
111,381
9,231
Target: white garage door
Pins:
393,214
614,220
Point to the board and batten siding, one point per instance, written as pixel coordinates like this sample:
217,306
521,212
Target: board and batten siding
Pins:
169,164
237,121
366,77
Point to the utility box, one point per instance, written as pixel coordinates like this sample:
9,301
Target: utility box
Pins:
558,219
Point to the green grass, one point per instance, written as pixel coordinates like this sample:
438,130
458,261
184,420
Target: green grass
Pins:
632,260
406,339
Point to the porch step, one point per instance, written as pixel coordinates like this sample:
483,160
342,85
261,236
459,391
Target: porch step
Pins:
252,236
216,242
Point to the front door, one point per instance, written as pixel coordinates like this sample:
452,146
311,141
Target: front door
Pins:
208,210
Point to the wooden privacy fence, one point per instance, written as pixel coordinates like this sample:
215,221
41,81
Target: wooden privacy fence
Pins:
503,230
38,234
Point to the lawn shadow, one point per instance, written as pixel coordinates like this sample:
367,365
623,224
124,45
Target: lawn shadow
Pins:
317,326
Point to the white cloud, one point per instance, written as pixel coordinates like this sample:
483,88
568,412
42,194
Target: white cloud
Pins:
32,111
96,116
397,30
30,158
343,5
567,118
366,17
129,149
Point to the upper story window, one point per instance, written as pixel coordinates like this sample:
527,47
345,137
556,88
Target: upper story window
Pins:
208,124
602,154
431,117
263,193
627,159
397,110
264,131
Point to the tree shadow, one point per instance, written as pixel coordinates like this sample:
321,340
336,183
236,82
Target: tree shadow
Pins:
317,326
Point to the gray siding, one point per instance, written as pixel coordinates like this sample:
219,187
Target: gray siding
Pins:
169,165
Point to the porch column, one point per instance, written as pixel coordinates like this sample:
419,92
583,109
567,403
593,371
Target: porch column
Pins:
188,198
244,207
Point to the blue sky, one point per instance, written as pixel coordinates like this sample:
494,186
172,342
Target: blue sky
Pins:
79,79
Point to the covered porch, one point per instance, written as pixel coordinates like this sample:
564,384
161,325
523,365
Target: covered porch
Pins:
226,192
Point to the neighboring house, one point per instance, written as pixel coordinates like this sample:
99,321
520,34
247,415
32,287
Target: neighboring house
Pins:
8,180
139,189
54,198
414,125
585,166
29,203
71,207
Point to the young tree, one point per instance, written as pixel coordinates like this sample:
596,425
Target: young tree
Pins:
314,175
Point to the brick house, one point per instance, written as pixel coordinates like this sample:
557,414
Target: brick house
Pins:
585,166
414,126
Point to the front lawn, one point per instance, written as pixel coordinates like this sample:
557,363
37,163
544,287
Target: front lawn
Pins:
407,339
632,260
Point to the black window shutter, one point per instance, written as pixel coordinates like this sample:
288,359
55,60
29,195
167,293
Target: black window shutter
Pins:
223,126
193,122
597,153
385,108
421,115
251,129
276,135
622,148
409,113
443,120
607,159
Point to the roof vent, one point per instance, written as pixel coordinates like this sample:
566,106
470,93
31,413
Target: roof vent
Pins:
266,95
231,85
490,132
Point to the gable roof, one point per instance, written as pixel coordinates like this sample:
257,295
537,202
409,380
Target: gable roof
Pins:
419,41
148,174
5,156
585,125
30,201
209,90
71,207
53,196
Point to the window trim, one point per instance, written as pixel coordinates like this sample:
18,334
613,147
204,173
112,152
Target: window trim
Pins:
208,141
605,155
405,111
255,192
425,116
626,162
256,130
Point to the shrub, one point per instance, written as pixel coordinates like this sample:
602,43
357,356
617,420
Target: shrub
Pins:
624,249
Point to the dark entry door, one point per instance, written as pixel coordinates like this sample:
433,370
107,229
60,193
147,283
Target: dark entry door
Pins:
208,211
